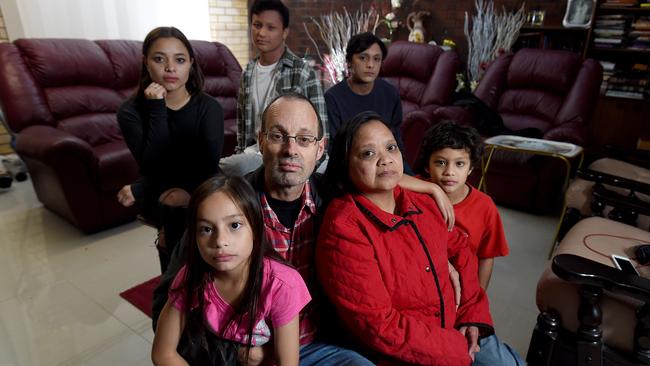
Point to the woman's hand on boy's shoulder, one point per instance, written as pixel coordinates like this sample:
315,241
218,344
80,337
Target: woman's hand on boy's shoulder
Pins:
444,204
415,184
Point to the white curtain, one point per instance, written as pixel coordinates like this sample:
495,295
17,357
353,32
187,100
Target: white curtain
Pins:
104,19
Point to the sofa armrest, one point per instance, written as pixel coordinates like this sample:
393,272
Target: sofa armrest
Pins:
572,132
583,271
46,143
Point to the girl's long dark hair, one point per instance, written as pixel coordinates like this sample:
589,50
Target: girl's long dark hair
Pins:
337,175
195,80
199,273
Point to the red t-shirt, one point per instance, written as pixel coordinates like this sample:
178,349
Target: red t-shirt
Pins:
477,215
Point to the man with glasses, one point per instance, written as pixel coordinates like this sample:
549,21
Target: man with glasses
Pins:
291,139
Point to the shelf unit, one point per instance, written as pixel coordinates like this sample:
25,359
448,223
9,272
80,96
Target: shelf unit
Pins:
553,36
619,121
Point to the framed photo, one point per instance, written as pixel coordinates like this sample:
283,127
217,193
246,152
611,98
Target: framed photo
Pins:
578,13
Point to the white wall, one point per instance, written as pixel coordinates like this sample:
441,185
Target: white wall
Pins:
104,19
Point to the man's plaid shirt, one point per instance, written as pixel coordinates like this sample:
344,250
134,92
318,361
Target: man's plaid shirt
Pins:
296,245
291,74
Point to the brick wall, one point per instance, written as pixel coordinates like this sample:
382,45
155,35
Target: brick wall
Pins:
229,25
446,20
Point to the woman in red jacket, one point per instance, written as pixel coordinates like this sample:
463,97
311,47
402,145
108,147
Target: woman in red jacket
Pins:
382,259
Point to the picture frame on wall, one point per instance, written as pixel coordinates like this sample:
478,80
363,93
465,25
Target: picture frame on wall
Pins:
578,13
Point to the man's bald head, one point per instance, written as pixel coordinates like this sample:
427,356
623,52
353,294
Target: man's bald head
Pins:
295,97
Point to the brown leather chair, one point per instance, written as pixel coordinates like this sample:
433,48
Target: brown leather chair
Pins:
590,312
604,183
425,76
59,98
549,90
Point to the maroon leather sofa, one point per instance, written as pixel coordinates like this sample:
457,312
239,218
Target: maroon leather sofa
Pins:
59,98
425,76
552,91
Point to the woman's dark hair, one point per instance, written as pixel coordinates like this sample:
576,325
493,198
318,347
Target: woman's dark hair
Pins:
264,5
361,42
448,134
199,273
337,174
195,80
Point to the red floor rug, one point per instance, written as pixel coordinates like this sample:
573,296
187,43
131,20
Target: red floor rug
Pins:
141,295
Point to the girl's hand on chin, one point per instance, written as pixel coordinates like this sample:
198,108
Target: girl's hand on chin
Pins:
155,91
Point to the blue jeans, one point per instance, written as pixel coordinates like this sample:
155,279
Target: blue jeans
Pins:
496,353
323,354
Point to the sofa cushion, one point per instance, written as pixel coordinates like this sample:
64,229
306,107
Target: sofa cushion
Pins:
66,62
222,73
125,58
532,102
406,59
538,68
74,100
96,128
21,98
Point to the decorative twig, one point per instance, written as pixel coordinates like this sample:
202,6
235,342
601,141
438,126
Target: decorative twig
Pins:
491,35
335,30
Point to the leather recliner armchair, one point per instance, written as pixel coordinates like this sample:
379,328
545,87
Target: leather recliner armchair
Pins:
425,76
549,90
59,97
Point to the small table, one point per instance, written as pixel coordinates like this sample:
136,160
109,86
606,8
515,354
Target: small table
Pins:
560,150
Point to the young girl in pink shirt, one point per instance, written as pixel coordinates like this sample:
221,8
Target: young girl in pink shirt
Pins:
248,294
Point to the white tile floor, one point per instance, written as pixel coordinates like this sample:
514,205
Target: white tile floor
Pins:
59,302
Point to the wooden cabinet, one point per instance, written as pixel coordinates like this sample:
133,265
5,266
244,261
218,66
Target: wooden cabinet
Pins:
553,36
619,122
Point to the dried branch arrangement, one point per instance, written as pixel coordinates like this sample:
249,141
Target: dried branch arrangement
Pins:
491,35
335,30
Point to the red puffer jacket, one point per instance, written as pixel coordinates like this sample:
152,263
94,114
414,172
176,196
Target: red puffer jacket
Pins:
388,277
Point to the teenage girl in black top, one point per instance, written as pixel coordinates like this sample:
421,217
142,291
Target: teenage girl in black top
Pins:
174,131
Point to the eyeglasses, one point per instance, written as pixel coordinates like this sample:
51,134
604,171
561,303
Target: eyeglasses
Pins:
276,137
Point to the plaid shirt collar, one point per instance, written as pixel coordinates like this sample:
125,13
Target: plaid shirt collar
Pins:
307,205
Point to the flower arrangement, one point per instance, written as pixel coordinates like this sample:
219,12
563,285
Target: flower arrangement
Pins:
391,24
335,30
491,35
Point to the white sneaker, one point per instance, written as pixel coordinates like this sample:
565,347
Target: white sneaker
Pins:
15,166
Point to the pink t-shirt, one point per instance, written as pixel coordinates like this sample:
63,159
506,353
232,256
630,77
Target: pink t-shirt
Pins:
284,294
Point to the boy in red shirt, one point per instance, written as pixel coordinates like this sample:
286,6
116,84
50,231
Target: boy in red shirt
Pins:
447,156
